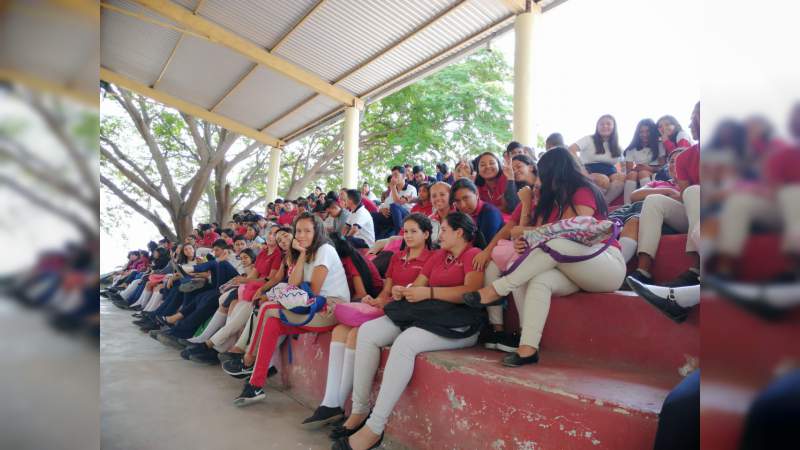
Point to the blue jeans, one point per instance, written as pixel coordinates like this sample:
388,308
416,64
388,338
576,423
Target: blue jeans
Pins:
200,309
389,226
679,421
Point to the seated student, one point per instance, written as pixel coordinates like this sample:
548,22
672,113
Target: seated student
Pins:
396,206
423,203
441,206
519,171
130,295
118,280
316,263
420,177
629,215
642,158
553,141
184,254
446,276
263,274
671,135
199,307
565,193
600,153
404,268
443,173
359,228
231,340
465,168
464,196
682,216
210,235
288,213
337,216
365,283
367,193
252,237
498,339
490,181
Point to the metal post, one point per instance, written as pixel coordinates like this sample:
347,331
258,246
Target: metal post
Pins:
351,119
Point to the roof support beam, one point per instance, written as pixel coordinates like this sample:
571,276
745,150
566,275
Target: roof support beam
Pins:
189,108
174,49
453,8
50,86
272,50
217,34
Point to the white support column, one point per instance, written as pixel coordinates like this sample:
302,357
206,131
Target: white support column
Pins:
351,119
274,173
524,44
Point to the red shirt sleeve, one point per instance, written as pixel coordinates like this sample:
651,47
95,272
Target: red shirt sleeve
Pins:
584,197
467,258
427,269
517,214
687,165
392,263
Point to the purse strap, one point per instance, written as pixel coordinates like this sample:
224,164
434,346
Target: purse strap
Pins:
562,258
315,307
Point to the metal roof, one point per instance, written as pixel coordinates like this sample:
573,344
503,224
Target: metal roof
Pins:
283,68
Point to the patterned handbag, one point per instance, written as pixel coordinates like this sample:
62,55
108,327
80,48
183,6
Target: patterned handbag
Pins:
581,229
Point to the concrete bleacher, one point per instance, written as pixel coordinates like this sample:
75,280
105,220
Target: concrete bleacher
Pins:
607,363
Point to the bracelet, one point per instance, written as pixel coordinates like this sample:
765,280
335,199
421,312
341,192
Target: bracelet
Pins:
431,297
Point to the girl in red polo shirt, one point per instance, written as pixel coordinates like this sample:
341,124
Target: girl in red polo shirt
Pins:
490,180
403,269
446,276
565,192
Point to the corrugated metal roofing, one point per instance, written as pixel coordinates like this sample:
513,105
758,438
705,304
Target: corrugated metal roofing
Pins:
361,46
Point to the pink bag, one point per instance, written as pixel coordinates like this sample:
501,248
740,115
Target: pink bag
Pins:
393,246
504,254
355,314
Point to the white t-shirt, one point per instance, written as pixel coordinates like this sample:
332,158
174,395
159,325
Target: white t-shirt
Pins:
335,284
362,220
409,192
588,153
643,156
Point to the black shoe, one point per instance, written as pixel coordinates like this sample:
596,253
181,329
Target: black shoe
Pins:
514,360
227,356
341,431
638,276
250,394
272,372
136,308
344,444
150,326
204,355
754,304
137,315
169,339
236,368
322,416
509,342
667,306
688,278
473,300
492,339
186,343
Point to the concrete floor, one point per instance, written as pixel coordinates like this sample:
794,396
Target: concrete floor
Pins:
151,398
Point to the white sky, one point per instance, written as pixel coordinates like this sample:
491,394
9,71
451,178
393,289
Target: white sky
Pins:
631,58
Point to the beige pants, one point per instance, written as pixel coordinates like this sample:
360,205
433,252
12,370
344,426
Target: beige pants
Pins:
660,209
235,322
545,277
491,274
741,210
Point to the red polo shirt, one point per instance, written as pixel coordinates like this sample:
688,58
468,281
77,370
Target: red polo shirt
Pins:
403,271
442,270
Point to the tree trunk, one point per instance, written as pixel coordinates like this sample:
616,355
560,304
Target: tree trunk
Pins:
222,194
212,203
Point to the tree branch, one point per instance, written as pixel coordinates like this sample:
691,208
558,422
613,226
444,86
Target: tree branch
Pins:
134,178
163,228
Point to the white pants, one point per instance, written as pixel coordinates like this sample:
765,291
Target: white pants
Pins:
405,346
128,291
741,210
155,301
659,209
491,274
545,277
144,298
236,321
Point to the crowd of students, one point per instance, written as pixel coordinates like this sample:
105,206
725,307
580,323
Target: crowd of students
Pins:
448,238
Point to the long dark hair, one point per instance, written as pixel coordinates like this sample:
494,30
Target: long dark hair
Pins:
346,250
479,180
730,135
182,259
160,258
613,140
674,136
636,142
561,177
320,237
460,221
424,223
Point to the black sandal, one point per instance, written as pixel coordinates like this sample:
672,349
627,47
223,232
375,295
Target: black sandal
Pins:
341,431
344,444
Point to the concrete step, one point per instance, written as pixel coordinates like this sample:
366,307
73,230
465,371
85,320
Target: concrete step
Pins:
466,396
